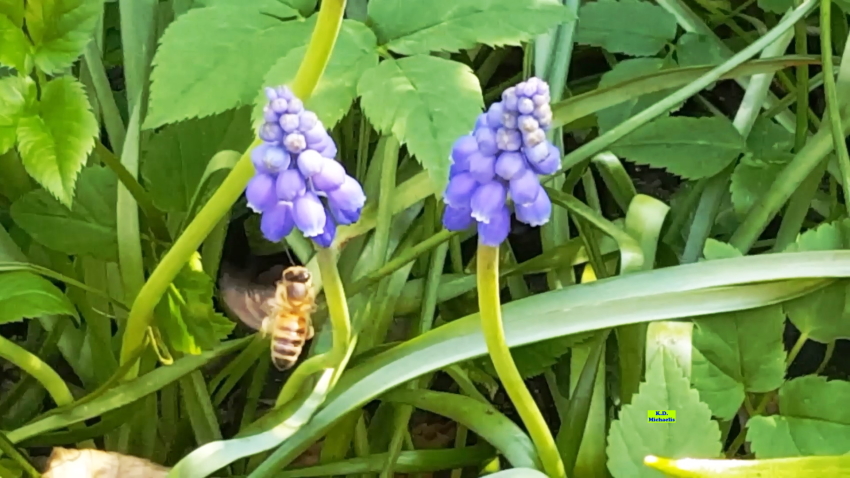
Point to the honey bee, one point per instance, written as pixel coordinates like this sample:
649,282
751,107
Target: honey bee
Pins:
282,312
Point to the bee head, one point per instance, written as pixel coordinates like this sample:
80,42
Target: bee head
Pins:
298,282
297,274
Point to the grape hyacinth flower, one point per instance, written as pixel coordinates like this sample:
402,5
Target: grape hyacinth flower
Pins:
298,183
500,160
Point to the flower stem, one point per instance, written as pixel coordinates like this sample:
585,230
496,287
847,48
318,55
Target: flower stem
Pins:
494,335
311,69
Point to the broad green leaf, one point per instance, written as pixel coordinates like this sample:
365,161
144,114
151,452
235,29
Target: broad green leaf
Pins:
16,46
60,30
27,295
355,52
626,70
17,96
629,26
419,27
738,352
13,10
776,6
55,141
823,315
692,148
88,228
693,49
814,420
186,316
753,178
427,103
532,360
178,154
715,249
213,59
632,436
767,138
278,8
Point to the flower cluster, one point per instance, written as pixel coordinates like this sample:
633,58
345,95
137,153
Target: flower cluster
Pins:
298,183
503,157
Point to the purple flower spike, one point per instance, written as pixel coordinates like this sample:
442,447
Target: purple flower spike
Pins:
457,219
295,143
279,106
463,147
308,121
525,106
329,150
536,213
316,135
310,162
326,238
271,159
309,214
269,116
349,196
290,184
331,176
482,167
277,222
548,165
487,200
271,132
508,139
284,92
495,232
509,164
538,152
509,99
495,115
481,122
260,192
486,138
525,187
296,106
460,189
289,123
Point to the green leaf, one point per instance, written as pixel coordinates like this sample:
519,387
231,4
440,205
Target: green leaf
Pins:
13,10
88,228
692,148
767,138
60,30
186,316
27,295
715,249
630,26
177,155
533,360
354,53
626,70
55,141
776,6
278,8
411,28
427,103
213,59
693,49
17,96
753,178
814,420
16,46
632,436
823,315
738,352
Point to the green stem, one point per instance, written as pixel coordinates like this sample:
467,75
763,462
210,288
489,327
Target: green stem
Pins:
833,108
311,69
802,86
830,348
494,335
34,366
9,449
389,167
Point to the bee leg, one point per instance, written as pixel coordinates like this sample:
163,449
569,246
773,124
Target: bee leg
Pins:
265,328
310,332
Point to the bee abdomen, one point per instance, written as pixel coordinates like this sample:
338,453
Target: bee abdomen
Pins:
287,343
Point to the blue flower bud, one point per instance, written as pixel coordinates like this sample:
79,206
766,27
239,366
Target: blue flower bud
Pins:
495,114
462,149
296,106
509,164
269,116
271,132
527,124
481,122
326,238
525,106
537,152
317,137
279,106
457,219
307,121
330,176
345,218
508,139
482,167
289,185
271,93
540,100
486,138
525,187
288,122
509,99
284,92
548,165
277,222
269,159
309,214
509,120
294,143
349,196
329,150
527,88
310,162
537,213
260,192
459,190
487,200
494,232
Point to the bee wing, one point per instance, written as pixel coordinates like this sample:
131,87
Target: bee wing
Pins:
248,302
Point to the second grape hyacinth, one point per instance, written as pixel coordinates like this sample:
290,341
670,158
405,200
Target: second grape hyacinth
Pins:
298,183
502,158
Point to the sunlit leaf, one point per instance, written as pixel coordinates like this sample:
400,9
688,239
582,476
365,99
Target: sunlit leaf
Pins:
632,27
24,295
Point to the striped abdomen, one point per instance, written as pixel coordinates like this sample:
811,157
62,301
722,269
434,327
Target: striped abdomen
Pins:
288,337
